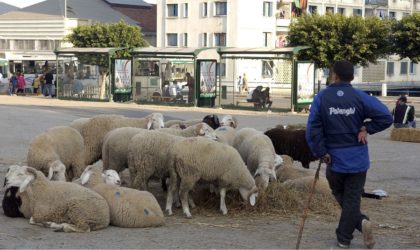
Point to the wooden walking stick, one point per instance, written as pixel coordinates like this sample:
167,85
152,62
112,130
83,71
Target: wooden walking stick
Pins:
305,211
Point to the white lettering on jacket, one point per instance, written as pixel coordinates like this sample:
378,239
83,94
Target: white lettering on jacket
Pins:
346,112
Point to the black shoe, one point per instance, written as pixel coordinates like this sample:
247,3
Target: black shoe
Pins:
342,245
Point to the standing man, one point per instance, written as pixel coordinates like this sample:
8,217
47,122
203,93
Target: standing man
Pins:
190,85
49,77
340,119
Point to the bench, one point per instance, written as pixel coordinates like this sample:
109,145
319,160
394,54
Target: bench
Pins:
255,104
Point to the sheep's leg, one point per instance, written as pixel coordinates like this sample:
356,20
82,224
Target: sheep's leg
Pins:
222,201
184,189
171,190
69,228
191,202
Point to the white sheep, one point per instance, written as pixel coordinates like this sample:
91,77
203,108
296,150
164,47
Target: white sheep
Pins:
61,143
286,171
115,147
257,151
199,129
63,206
97,127
229,121
199,158
304,184
182,123
128,207
225,134
79,123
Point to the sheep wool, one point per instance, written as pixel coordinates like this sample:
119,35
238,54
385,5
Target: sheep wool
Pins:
199,129
289,172
75,207
304,184
128,207
58,143
225,134
97,127
115,147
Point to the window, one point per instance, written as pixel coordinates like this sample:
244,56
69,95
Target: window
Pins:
390,68
172,39
219,39
392,14
313,9
413,68
267,9
185,9
267,68
341,11
403,69
267,39
406,14
185,40
220,8
204,40
24,44
47,45
205,10
4,44
172,10
329,10
357,12
221,67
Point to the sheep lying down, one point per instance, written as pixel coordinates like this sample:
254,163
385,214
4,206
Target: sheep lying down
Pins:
62,206
128,207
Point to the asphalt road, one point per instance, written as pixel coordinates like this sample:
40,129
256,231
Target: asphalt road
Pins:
394,169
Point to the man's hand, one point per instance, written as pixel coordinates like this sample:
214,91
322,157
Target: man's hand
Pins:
362,136
326,158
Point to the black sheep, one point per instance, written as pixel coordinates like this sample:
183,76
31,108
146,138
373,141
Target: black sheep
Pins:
212,121
291,142
11,203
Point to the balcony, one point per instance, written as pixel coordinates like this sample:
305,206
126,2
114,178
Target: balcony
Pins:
282,22
383,3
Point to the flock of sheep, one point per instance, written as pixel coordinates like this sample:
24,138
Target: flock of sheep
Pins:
72,179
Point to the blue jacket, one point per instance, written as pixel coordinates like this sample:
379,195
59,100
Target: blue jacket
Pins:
336,116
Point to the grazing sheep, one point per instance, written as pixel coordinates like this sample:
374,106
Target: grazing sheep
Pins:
291,142
63,206
97,127
150,155
79,123
128,207
229,121
225,134
11,203
199,129
287,171
115,147
199,158
243,134
258,153
62,143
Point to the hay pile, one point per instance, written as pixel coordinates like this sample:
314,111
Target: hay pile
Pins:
406,134
277,199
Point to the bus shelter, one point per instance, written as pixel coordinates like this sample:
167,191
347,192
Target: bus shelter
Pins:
178,76
291,83
92,74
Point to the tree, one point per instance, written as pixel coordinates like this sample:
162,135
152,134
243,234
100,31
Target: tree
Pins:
119,35
406,37
337,37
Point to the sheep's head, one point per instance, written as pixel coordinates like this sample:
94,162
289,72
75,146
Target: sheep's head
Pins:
278,161
249,195
212,121
155,121
229,120
57,171
263,176
15,176
111,177
203,129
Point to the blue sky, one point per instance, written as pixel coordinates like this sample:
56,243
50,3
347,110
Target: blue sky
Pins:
24,3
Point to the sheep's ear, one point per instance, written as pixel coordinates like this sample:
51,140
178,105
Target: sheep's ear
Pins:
25,183
50,173
149,123
253,199
85,178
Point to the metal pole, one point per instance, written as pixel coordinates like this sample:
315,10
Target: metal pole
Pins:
65,9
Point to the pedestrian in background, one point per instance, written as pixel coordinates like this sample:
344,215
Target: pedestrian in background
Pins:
13,84
36,83
48,89
403,114
20,83
340,119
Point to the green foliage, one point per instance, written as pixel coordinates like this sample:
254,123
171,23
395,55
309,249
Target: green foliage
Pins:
119,35
337,37
406,37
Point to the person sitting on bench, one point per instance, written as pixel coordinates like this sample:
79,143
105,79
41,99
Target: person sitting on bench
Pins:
256,96
267,102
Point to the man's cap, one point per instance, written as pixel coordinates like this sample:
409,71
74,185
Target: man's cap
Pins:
402,98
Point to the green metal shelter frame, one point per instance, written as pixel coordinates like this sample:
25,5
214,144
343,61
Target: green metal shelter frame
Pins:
74,52
287,53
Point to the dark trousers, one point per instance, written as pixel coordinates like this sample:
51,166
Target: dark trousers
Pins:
347,190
